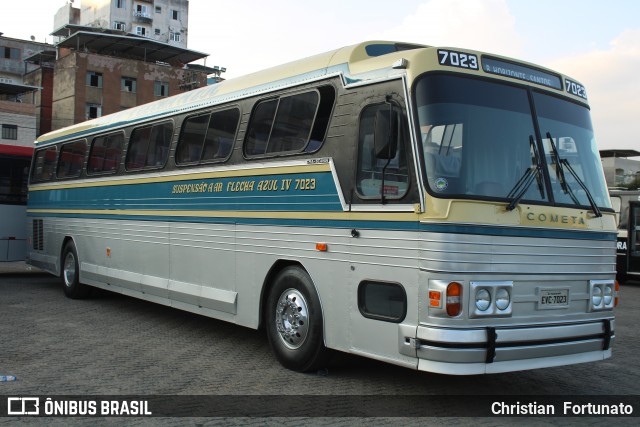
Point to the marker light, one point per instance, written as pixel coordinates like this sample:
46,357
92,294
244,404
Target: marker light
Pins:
483,299
454,299
322,247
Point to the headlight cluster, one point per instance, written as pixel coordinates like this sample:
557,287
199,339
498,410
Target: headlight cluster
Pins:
602,294
490,299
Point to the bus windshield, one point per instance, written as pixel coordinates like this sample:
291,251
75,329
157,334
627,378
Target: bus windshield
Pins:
479,141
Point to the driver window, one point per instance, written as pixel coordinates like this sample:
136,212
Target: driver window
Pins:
370,169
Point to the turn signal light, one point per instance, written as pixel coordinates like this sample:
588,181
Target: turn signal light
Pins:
435,299
454,299
615,303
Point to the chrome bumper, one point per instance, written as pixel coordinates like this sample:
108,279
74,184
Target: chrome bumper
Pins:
503,349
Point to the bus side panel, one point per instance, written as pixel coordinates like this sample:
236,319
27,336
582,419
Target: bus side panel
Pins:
259,247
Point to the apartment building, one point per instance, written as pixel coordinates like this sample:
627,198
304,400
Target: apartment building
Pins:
165,21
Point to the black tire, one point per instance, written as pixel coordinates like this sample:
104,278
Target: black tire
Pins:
293,319
70,273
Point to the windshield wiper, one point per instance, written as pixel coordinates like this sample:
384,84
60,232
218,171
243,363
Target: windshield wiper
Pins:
560,164
533,172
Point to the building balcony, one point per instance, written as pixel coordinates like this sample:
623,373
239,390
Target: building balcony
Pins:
142,17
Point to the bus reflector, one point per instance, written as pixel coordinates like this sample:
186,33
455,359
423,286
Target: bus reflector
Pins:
454,299
322,247
435,299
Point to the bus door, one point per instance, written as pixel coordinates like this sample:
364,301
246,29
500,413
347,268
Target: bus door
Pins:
383,291
633,248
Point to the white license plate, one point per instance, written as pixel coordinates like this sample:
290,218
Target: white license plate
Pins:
553,298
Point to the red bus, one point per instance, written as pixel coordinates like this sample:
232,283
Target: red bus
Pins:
14,175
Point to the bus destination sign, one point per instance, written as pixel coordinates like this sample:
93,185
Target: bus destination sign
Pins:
521,72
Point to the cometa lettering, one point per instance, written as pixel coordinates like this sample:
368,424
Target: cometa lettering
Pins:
561,219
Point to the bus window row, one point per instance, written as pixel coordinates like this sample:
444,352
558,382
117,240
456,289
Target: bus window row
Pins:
288,124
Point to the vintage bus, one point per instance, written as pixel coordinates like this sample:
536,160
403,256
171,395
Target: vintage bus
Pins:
627,206
435,208
14,176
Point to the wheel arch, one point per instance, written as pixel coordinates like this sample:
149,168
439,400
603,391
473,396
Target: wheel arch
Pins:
65,242
275,269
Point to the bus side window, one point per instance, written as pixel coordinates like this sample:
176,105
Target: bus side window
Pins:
370,169
44,164
71,159
149,146
290,124
105,154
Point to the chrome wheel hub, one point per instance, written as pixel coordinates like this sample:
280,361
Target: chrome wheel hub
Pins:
69,269
292,318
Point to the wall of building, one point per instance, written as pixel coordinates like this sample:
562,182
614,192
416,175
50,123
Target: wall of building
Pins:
158,20
12,70
72,94
24,117
42,77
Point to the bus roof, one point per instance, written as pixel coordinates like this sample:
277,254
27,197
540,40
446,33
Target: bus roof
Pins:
357,63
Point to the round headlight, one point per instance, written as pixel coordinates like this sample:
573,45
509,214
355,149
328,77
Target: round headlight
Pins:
483,299
608,294
596,297
503,299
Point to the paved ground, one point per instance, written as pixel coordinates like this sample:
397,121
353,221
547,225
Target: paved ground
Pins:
110,344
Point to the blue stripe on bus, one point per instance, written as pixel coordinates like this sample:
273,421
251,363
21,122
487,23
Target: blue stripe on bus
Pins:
315,191
483,230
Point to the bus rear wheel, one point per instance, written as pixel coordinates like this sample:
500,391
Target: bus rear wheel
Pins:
71,274
294,321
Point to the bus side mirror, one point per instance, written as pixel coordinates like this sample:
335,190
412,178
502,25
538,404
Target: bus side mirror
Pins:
385,137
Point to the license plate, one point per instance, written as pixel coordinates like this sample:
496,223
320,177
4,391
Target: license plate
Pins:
553,298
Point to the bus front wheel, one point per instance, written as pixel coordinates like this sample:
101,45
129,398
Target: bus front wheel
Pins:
71,273
294,321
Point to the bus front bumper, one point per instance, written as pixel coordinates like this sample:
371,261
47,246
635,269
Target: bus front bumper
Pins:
504,349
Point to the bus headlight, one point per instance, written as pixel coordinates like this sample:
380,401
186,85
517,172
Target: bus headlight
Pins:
503,299
596,297
490,299
608,294
483,299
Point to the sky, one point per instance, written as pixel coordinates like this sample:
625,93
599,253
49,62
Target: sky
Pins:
596,42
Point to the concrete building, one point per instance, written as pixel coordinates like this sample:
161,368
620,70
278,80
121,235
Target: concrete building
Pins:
89,84
619,169
163,20
18,95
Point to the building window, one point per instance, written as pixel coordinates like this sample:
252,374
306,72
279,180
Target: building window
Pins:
128,84
9,53
94,79
174,37
142,10
120,4
141,31
175,15
157,31
118,25
158,9
161,88
93,111
9,132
